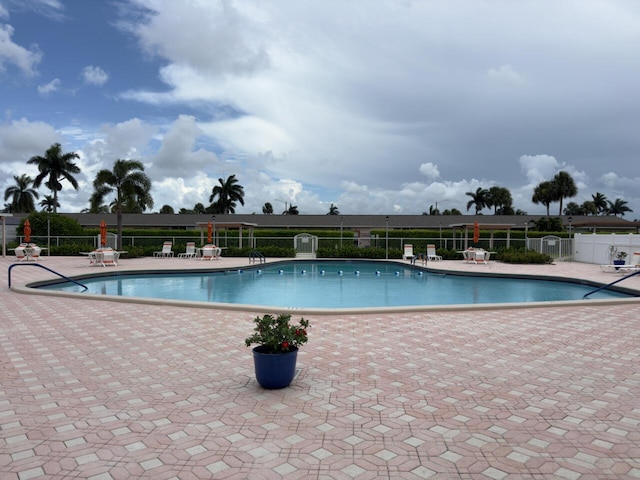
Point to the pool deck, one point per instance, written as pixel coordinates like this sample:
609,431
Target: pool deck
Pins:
105,390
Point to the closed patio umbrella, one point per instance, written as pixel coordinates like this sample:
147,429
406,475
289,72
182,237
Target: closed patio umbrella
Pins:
27,231
476,232
103,233
210,233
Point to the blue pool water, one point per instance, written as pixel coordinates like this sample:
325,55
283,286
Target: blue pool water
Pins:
349,284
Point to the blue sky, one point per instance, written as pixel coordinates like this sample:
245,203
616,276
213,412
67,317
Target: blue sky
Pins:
377,106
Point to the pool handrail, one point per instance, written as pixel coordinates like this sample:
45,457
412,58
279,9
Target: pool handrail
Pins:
612,283
46,268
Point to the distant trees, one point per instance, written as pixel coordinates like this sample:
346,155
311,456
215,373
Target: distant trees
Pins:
22,195
500,199
292,210
562,186
267,209
333,210
599,202
227,193
55,166
166,209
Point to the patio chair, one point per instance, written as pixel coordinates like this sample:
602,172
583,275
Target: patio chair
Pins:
21,256
165,252
208,252
408,252
431,254
190,251
109,257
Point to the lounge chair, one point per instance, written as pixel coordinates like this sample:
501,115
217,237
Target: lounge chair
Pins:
633,265
190,251
432,255
165,252
408,252
109,257
21,256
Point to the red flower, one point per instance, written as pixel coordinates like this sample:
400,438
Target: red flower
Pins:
285,344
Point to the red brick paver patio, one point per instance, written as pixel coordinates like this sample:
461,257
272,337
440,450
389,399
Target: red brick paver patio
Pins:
105,390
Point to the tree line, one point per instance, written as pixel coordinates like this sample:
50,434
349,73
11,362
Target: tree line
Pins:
126,188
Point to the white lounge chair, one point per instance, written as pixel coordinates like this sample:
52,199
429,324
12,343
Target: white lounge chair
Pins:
21,256
109,257
633,265
165,252
431,254
408,252
190,251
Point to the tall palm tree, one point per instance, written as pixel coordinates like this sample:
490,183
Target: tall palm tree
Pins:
564,187
48,203
131,186
333,210
22,195
600,202
479,198
55,166
544,194
618,207
228,192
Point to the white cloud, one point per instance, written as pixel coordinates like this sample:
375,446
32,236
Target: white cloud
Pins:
430,171
94,75
49,88
12,53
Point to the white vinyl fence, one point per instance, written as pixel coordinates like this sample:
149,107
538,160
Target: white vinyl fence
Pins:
602,249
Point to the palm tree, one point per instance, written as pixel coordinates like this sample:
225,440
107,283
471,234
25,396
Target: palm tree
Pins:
333,210
22,195
48,203
501,201
131,187
544,194
267,209
600,202
292,210
618,207
55,166
589,208
564,187
228,193
479,198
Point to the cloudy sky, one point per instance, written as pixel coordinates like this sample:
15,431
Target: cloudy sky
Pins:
376,106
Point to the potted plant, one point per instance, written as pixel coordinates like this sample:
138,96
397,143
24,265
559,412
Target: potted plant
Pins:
620,258
275,356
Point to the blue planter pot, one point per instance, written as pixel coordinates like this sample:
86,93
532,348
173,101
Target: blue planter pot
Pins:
274,370
619,262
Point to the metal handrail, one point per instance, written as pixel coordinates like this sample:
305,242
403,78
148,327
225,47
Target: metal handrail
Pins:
256,254
46,268
612,283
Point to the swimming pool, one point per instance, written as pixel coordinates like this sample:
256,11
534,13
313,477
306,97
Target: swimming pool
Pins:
334,285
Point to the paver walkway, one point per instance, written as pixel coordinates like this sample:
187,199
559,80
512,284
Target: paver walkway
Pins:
104,390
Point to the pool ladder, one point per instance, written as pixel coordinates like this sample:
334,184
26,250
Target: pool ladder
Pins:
256,256
84,287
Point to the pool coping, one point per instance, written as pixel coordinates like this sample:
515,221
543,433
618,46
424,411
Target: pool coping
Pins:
30,290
